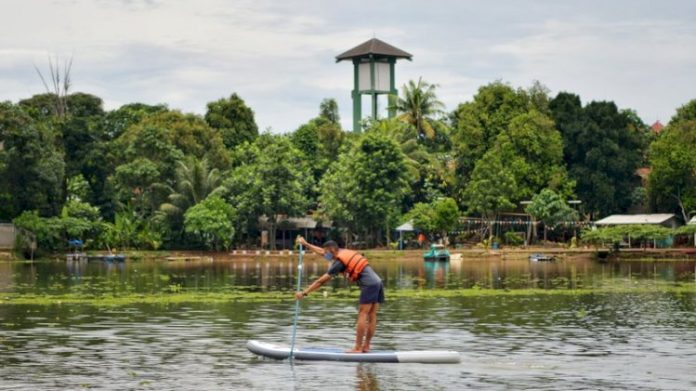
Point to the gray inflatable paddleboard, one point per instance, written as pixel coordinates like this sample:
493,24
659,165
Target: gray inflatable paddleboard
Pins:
281,352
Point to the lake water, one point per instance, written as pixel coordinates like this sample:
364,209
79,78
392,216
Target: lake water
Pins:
599,339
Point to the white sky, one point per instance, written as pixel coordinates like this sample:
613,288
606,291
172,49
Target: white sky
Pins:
279,55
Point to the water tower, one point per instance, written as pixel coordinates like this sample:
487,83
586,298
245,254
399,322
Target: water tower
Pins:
373,74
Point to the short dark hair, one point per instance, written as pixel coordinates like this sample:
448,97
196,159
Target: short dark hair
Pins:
330,244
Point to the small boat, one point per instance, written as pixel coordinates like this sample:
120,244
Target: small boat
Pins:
437,253
281,352
538,257
115,258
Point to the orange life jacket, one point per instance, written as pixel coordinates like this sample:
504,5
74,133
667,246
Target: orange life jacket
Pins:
354,262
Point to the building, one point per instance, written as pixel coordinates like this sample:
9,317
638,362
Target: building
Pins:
287,229
668,220
657,127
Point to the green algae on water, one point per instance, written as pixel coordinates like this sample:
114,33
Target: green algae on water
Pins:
179,297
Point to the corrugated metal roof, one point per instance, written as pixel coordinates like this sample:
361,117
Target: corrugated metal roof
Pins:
407,226
374,46
655,218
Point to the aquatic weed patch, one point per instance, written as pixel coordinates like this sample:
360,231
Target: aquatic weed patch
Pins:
178,297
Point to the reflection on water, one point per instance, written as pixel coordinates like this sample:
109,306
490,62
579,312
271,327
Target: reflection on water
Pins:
220,274
636,341
593,341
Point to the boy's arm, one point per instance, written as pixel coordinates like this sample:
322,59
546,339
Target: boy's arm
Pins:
314,286
311,247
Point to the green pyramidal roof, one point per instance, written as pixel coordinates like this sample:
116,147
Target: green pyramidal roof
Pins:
376,47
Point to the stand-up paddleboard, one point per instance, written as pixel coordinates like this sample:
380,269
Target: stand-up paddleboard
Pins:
281,352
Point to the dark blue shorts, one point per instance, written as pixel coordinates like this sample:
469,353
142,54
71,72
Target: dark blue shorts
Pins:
372,294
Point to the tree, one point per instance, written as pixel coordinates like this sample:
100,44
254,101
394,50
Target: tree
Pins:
672,181
271,183
211,221
430,171
328,109
116,122
319,141
34,167
136,184
491,187
159,141
365,189
195,181
441,216
418,106
686,112
480,125
60,83
233,119
533,149
603,148
550,208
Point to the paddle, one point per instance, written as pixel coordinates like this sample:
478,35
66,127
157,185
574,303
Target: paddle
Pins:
297,304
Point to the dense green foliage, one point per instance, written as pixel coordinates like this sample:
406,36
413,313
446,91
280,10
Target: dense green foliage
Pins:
440,216
673,160
604,146
233,119
211,222
144,176
550,208
366,187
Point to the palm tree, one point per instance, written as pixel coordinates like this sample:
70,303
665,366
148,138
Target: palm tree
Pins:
418,106
195,181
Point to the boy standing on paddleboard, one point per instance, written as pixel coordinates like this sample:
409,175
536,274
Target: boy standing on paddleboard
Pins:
356,268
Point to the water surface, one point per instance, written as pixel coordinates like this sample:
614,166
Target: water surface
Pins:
642,340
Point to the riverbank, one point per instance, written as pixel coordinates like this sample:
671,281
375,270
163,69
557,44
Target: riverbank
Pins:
468,254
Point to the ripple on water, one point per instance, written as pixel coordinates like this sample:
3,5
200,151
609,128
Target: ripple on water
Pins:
638,342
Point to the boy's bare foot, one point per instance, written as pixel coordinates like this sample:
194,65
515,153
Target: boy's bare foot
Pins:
354,350
366,349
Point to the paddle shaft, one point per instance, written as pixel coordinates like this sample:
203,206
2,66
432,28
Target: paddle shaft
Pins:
297,304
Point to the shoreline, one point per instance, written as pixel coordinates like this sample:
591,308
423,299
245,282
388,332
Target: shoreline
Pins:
465,254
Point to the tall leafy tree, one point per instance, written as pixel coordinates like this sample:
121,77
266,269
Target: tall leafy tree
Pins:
328,109
319,141
491,188
430,171
551,209
440,216
159,141
533,149
211,222
233,119
477,125
34,174
686,112
365,189
418,106
603,147
270,183
672,182
116,122
195,181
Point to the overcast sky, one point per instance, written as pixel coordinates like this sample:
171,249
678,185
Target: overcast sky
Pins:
279,55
